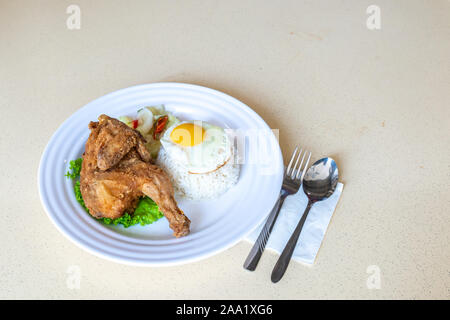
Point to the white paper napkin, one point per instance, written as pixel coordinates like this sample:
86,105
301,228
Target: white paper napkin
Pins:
313,231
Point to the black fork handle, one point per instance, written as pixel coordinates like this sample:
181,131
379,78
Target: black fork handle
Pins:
258,248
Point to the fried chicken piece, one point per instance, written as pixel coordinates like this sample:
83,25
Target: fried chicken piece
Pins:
116,172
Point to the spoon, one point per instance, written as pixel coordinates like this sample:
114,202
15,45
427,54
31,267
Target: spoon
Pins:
319,183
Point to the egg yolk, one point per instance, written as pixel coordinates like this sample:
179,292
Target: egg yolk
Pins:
187,134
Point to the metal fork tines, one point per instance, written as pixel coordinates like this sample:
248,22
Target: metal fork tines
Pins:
293,177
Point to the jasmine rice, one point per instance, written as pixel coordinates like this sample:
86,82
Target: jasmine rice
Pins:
196,186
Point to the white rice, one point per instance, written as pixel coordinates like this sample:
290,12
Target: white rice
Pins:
196,186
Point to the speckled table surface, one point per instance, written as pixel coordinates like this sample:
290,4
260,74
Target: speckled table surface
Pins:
376,100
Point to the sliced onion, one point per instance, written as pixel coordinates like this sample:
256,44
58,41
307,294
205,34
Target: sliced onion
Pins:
145,117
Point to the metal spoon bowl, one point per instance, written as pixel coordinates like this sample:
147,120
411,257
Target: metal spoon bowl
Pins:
319,183
321,179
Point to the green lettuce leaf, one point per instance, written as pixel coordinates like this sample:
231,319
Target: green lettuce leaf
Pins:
74,169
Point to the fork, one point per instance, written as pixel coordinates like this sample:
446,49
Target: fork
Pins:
293,177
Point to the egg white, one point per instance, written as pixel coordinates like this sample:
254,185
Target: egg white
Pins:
214,151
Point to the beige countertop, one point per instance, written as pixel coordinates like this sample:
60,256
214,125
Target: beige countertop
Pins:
375,100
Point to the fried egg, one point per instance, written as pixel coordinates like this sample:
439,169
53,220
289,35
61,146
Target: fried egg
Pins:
198,146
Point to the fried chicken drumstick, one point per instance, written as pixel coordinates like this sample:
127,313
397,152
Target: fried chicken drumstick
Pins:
116,172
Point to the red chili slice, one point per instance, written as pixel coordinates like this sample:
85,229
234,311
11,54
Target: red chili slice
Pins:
135,124
160,124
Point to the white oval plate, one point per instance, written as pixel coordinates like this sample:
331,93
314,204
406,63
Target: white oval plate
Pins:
215,224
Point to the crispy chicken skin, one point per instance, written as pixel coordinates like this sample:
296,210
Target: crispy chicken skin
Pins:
116,172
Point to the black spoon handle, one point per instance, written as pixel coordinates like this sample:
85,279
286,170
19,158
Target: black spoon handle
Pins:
285,257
